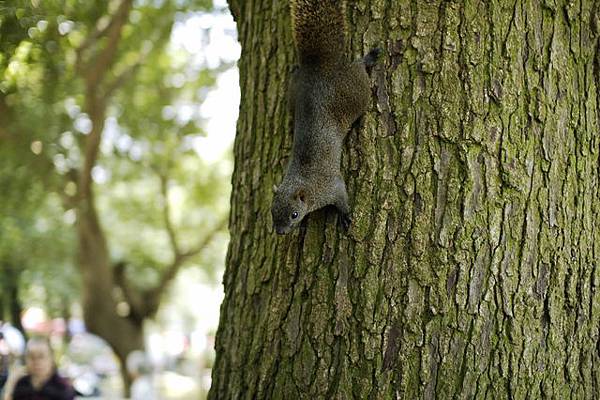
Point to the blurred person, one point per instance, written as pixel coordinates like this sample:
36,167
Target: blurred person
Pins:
4,362
140,369
13,339
40,380
12,345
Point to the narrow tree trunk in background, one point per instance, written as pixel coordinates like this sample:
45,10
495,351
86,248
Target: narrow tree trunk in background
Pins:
66,315
11,308
16,309
471,269
121,332
4,295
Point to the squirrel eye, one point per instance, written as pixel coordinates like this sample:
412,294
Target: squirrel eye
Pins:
294,215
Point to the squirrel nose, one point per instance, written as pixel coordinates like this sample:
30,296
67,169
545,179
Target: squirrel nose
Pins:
280,231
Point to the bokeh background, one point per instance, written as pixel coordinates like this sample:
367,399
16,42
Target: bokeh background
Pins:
164,108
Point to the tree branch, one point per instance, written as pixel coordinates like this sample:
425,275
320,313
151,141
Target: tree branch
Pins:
95,103
128,72
166,211
4,117
145,303
96,111
96,69
93,37
222,224
163,34
151,298
133,296
123,77
180,259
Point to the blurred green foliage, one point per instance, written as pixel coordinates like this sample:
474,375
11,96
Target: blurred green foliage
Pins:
145,139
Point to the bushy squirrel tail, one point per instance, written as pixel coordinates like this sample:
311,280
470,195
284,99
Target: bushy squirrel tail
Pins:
319,30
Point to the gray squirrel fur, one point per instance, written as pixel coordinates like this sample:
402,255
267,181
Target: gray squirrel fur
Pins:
326,95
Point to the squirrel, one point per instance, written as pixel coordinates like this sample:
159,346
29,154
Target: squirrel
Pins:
326,95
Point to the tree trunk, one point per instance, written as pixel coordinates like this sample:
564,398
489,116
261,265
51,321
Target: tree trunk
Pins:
16,308
123,333
11,308
471,267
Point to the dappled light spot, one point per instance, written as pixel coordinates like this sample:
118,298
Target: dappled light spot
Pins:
36,147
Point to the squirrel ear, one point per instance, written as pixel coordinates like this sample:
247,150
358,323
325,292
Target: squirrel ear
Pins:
300,194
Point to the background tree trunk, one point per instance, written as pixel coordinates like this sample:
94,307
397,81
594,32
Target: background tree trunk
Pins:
124,333
471,268
11,308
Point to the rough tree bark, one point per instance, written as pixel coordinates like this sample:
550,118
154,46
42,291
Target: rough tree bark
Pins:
471,269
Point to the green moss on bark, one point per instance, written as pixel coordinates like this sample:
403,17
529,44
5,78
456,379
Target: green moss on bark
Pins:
470,270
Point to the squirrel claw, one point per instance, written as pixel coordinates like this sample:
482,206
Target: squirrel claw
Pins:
345,221
371,59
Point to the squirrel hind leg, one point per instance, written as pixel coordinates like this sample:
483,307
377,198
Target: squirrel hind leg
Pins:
372,57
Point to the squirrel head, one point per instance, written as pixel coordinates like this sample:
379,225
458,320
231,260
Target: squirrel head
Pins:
289,208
